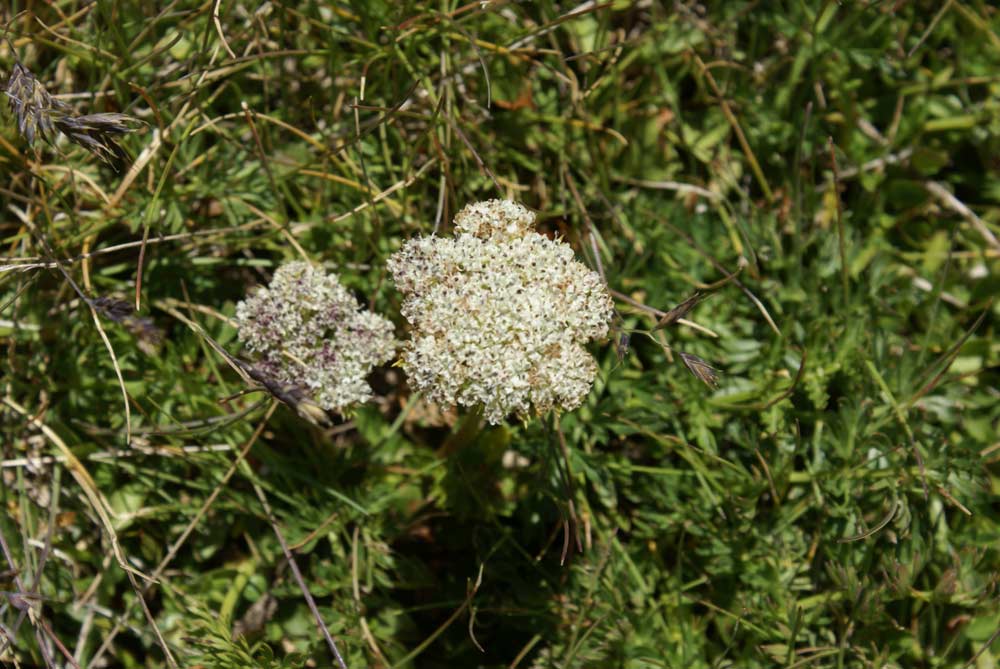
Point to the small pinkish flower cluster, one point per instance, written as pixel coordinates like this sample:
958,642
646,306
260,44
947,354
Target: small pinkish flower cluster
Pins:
310,333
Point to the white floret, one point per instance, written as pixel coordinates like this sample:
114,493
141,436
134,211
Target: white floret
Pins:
500,314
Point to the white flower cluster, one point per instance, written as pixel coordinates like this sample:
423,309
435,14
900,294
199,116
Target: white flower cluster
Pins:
310,333
500,314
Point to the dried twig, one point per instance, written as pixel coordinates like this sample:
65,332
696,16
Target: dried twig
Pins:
218,28
959,207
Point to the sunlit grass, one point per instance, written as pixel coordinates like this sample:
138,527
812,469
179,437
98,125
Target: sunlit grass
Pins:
802,198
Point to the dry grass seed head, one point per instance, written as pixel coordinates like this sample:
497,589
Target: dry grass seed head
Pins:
38,113
33,107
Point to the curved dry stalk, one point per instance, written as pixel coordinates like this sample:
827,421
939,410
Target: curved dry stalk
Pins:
183,536
90,302
103,509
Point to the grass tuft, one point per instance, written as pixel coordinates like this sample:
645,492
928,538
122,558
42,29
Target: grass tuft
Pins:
791,453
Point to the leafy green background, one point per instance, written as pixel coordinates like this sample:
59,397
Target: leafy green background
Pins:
831,504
